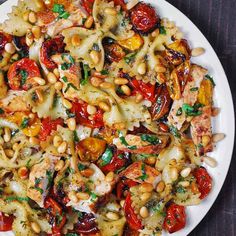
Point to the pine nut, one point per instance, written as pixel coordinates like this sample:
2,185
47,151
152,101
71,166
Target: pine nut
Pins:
75,40
110,11
160,69
51,78
185,172
150,160
23,172
15,146
87,172
72,196
39,80
9,152
89,22
32,17
56,73
126,90
215,111
26,16
39,95
60,164
146,187
205,140
99,75
160,187
82,196
197,52
184,183
10,48
96,81
35,227
29,39
138,98
210,161
155,33
71,123
112,216
62,147
95,56
144,212
122,202
142,68
110,176
57,140
67,104
104,106
174,173
105,85
58,85
91,109
34,140
121,81
145,196
57,59
7,134
36,31
218,137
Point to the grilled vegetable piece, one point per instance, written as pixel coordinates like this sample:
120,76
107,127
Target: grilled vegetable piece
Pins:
205,95
133,43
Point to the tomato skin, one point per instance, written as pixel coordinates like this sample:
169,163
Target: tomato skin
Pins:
4,39
124,184
113,52
144,18
80,111
87,5
49,48
204,181
132,219
5,222
175,219
48,126
14,77
86,225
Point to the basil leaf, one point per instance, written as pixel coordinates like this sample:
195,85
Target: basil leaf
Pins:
13,198
179,112
150,138
24,75
192,110
123,141
174,131
106,156
104,72
86,74
144,175
162,30
81,167
25,123
60,9
75,136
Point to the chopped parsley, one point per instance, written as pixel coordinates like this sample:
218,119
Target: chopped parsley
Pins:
93,196
13,198
81,167
70,85
211,79
130,58
49,175
174,131
192,110
123,141
144,175
106,156
179,112
66,66
104,72
64,79
75,136
86,74
28,164
180,189
60,9
194,89
150,138
24,75
25,123
162,30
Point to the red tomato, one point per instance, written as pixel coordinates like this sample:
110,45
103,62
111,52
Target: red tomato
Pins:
49,48
144,18
204,181
48,126
124,184
87,5
5,222
132,219
113,52
175,219
86,224
21,72
4,39
80,111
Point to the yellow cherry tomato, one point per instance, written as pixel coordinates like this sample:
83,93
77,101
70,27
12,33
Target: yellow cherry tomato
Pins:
133,43
33,129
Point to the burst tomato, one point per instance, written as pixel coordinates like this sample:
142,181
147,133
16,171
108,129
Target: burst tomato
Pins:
5,222
86,224
20,74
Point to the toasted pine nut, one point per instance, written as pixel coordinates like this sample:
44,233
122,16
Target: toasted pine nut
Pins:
26,16
122,202
23,172
7,134
51,78
56,73
39,95
218,137
36,31
71,122
155,33
215,111
75,40
197,52
174,173
145,196
58,85
210,161
89,22
160,187
95,56
185,172
60,164
95,81
99,75
62,147
9,152
39,80
104,106
184,183
112,215
142,68
10,48
72,196
126,90
91,109
32,17
35,227
150,160
160,69
205,140
110,11
15,146
144,212
82,196
34,140
57,140
110,176
67,104
106,85
87,172
146,187
138,98
121,81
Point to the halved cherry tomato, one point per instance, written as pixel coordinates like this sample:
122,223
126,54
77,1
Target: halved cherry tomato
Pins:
4,39
175,219
86,224
87,5
80,111
124,184
113,52
5,222
20,74
49,48
48,126
204,181
144,18
132,219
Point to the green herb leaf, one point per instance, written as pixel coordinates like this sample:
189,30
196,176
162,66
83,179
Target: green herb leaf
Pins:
93,196
25,123
60,9
130,58
162,30
179,112
13,198
150,138
106,156
194,89
123,141
211,79
144,175
66,66
24,75
64,79
86,74
49,175
72,234
180,189
191,110
174,131
104,72
75,136
81,167
1,111
28,164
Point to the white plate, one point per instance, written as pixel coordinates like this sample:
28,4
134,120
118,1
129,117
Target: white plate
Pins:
223,123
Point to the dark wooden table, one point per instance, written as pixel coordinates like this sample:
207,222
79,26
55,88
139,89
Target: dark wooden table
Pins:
217,20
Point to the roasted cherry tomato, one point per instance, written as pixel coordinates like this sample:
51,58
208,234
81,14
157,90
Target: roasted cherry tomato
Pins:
80,111
123,185
113,52
20,74
4,39
204,181
48,126
87,5
86,224
144,18
132,219
162,104
49,48
5,222
175,219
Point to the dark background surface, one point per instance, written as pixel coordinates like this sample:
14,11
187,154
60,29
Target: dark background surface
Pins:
217,20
